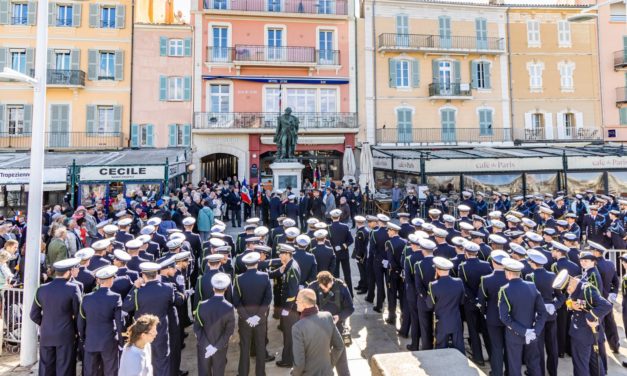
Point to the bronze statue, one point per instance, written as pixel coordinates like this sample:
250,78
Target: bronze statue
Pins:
286,136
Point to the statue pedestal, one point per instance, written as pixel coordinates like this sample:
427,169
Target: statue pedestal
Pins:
287,173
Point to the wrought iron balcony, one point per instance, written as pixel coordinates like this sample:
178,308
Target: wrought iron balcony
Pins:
450,90
436,43
442,135
620,59
249,120
557,134
65,140
20,20
266,55
621,95
324,7
64,77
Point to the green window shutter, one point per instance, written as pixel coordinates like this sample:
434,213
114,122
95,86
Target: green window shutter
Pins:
435,68
75,58
91,119
120,16
52,62
2,127
486,74
187,135
187,88
119,65
92,65
28,118
457,72
473,74
623,116
415,73
134,135
624,47
163,88
163,46
30,61
117,119
31,14
392,66
4,12
76,14
150,135
52,14
3,57
94,15
188,46
172,134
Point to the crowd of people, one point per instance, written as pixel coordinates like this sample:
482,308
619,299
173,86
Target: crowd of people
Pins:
123,280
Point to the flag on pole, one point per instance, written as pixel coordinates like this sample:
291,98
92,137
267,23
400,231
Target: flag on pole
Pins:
245,193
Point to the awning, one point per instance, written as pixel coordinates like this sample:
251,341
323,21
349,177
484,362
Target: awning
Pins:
283,80
51,187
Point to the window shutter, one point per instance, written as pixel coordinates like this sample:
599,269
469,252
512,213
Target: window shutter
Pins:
528,120
172,134
117,118
3,57
94,14
435,68
134,135
548,125
31,14
622,114
187,135
28,118
482,123
92,65
487,75
578,119
150,135
120,16
4,12
187,88
30,61
560,125
163,46
188,46
52,62
415,73
457,71
163,88
473,75
52,17
119,65
75,58
488,120
2,123
392,66
64,109
76,14
91,119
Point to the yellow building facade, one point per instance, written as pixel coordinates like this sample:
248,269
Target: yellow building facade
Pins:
88,75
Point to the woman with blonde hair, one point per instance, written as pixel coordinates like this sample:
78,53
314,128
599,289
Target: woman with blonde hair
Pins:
136,357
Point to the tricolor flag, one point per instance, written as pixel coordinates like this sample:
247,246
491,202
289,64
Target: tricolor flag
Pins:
245,193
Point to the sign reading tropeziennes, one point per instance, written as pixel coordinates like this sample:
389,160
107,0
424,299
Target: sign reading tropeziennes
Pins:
22,175
114,173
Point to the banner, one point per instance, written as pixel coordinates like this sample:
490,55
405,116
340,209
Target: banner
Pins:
115,173
22,175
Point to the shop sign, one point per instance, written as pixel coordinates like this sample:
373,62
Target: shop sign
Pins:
382,163
410,165
493,165
22,175
596,163
176,169
115,173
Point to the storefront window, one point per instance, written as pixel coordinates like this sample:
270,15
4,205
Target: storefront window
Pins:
92,193
581,181
508,183
321,163
617,181
546,183
408,181
15,198
443,184
384,181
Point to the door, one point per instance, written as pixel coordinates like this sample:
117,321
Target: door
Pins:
59,136
220,44
445,32
404,125
448,125
61,74
275,43
445,77
220,105
402,30
326,47
482,33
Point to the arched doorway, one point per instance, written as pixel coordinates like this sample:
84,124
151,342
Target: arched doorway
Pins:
218,166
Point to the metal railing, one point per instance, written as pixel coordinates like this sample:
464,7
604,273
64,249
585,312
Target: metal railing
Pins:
21,20
552,134
107,24
65,140
331,7
12,314
251,53
442,135
328,57
620,59
308,120
456,89
436,42
621,94
64,77
219,54
64,22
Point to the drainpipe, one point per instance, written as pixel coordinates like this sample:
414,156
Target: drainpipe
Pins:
509,76
130,105
374,65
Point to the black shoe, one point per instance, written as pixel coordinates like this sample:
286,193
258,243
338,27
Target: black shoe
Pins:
377,309
369,300
183,373
561,355
280,363
401,334
361,292
391,320
615,351
480,363
412,347
270,358
625,363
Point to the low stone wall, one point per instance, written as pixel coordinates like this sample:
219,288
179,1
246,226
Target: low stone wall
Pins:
443,362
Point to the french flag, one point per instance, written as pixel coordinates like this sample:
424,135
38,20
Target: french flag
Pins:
246,193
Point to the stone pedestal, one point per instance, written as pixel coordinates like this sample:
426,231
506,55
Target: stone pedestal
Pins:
287,173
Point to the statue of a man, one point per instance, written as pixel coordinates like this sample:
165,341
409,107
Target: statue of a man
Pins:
286,136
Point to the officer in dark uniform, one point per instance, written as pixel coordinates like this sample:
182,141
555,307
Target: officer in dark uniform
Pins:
443,248
291,208
394,248
136,259
488,301
214,325
424,273
559,252
522,310
99,259
240,243
289,274
446,294
122,234
449,224
156,236
249,245
167,273
276,209
150,250
373,225
468,202
519,253
110,231
120,259
227,265
616,231
324,255
406,226
204,289
306,261
252,295
478,238
412,256
589,271
360,251
123,282
100,326
378,238
594,225
481,206
411,203
470,272
341,239
332,296
84,276
55,308
149,295
194,240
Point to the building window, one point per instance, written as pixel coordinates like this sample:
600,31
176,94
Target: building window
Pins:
402,73
180,135
301,100
481,75
175,47
617,12
533,33
220,49
328,100
569,124
481,29
566,76
402,30
220,98
403,125
485,122
107,17
219,4
62,60
106,121
274,5
18,61
326,54
19,14
535,76
622,113
106,69
274,43
143,135
175,88
326,7
563,33
15,118
537,124
64,15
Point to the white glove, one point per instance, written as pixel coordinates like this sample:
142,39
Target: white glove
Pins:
256,319
612,298
338,248
251,322
285,312
530,335
209,351
550,308
385,263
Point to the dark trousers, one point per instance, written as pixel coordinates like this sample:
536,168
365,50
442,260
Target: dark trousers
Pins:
175,347
515,357
396,290
248,209
370,278
456,338
380,277
303,223
414,326
161,355
476,325
563,338
257,336
425,318
585,360
342,365
611,331
287,322
236,217
346,271
363,278
497,349
57,360
215,365
102,363
548,340
405,317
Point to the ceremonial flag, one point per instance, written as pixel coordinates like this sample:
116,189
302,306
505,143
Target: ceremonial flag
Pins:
245,193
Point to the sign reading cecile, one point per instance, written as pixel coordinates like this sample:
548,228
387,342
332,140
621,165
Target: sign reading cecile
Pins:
114,173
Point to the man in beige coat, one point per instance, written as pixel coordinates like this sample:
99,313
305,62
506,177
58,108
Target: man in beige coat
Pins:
316,342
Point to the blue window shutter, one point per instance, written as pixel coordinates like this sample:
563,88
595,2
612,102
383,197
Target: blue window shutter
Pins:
415,73
28,118
623,116
187,135
119,65
392,66
30,60
150,135
75,57
163,46
172,134
92,65
4,12
473,74
76,15
188,46
94,15
4,60
458,73
134,135
31,14
117,118
163,88
486,74
52,16
52,61
187,88
120,16
435,68
91,119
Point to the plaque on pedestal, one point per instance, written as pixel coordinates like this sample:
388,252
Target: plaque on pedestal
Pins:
287,174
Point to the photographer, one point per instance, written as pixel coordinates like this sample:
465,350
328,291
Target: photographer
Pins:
332,296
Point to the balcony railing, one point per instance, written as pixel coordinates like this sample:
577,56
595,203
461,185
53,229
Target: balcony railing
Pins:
620,59
248,120
555,133
442,135
21,20
64,22
265,54
621,95
330,7
64,77
429,42
65,140
457,89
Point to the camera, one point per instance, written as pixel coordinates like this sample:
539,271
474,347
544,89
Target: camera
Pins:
346,337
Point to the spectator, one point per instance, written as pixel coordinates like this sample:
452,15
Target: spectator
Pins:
397,196
205,221
57,249
346,211
136,359
234,201
329,202
6,276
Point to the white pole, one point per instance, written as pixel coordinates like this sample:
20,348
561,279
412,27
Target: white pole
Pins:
28,348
